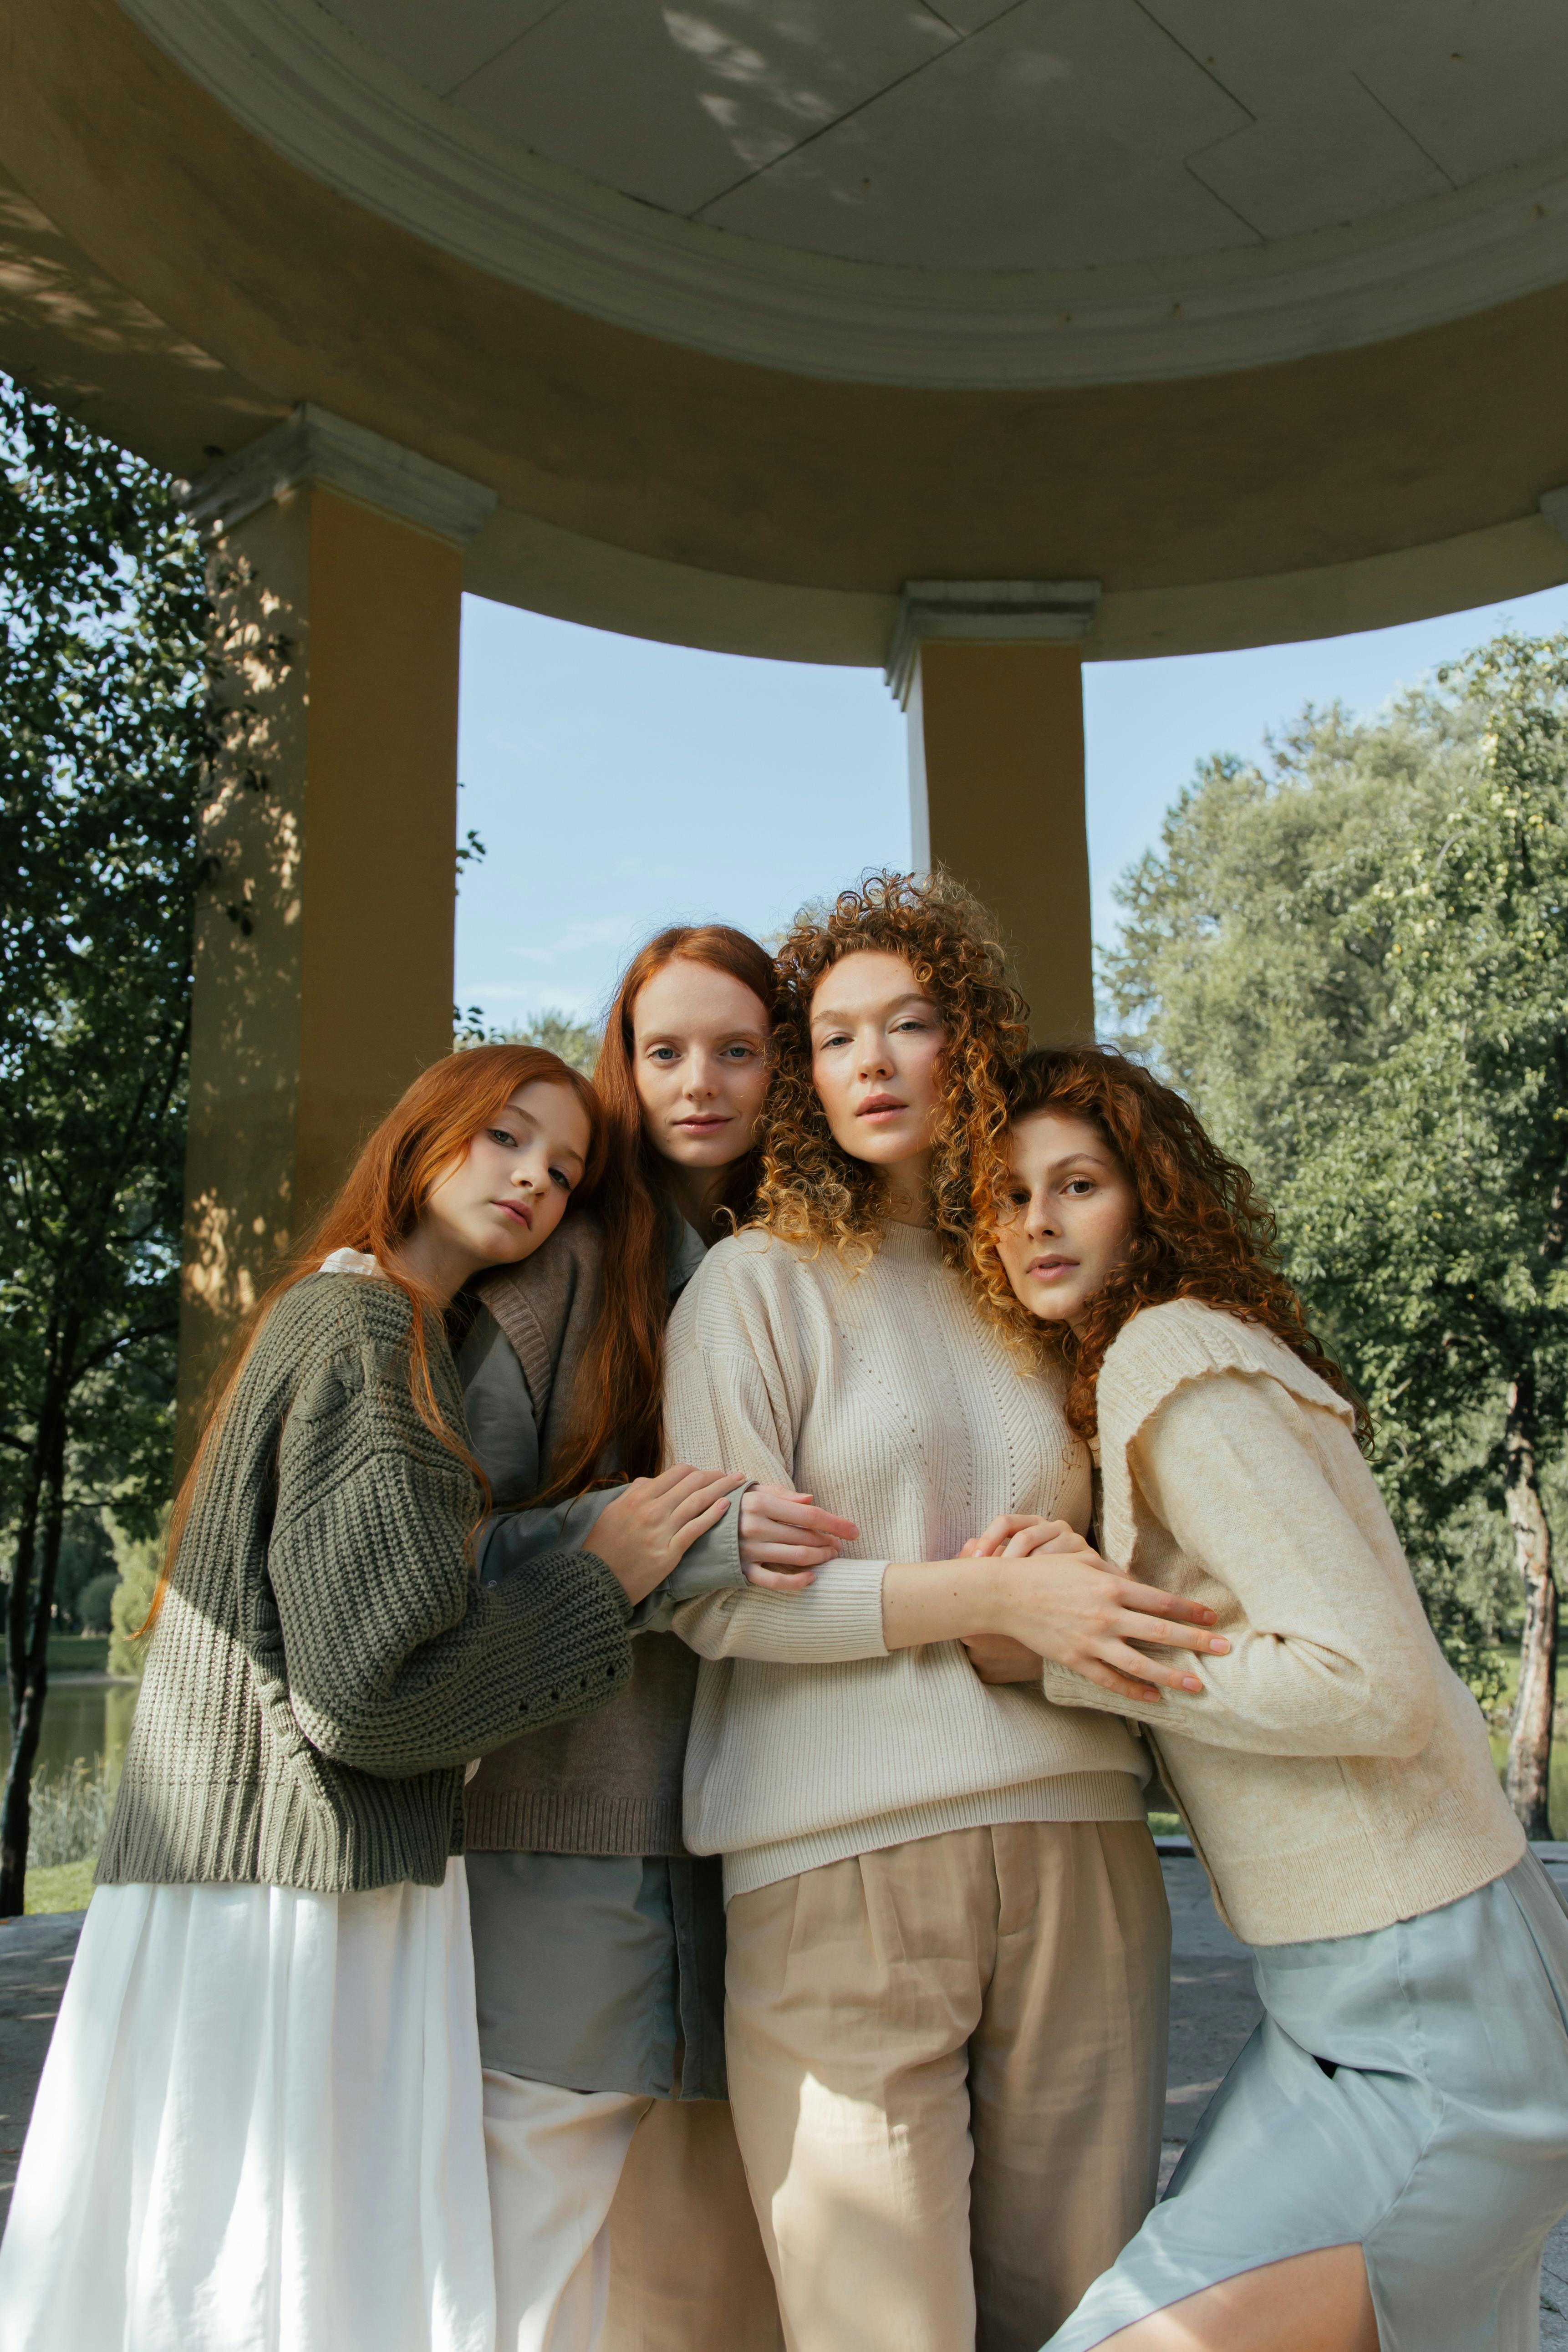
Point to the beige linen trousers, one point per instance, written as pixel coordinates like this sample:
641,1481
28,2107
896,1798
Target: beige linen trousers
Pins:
686,2270
947,2069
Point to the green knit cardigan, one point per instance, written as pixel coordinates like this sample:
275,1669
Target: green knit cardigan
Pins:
325,1662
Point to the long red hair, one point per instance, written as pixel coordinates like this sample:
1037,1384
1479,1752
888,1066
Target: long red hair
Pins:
1202,1229
620,1403
378,1208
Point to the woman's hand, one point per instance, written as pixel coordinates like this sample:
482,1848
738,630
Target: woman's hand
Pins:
1007,1525
994,1657
650,1526
785,1538
1065,1604
1047,1590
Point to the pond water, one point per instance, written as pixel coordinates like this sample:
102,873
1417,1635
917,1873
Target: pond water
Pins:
86,1718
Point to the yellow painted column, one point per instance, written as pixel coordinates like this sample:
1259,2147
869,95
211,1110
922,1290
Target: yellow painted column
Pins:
324,919
996,775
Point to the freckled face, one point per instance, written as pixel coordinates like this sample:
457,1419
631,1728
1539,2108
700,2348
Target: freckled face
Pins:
1073,1214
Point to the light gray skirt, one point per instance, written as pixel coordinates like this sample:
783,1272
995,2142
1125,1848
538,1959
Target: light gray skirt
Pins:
1406,2091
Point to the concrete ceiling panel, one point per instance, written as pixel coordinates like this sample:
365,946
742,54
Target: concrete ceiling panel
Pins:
1323,154
1054,139
968,15
439,46
647,485
1484,82
675,104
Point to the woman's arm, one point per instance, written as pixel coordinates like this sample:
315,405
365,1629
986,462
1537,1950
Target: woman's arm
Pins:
718,1408
510,1541
503,1432
1328,1653
397,1661
1050,1593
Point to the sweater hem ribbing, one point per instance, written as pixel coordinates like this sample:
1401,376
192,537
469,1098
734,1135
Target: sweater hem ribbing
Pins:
1350,1888
1062,1797
523,1820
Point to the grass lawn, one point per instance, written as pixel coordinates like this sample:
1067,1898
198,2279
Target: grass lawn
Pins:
66,1887
1507,1656
76,1654
1507,1661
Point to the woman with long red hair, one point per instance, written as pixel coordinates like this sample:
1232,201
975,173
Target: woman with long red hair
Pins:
1382,2165
598,1939
259,2128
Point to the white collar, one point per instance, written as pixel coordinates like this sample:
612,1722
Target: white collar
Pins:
348,1261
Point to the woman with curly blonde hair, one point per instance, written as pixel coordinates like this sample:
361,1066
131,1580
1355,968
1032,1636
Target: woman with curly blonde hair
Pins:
947,1934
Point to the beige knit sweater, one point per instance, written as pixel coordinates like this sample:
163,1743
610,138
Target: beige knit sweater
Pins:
888,1397
1334,1772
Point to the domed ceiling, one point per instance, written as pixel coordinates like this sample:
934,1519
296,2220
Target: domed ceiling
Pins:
980,192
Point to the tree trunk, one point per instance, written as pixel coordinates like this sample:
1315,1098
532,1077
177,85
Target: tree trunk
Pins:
27,1663
1529,1743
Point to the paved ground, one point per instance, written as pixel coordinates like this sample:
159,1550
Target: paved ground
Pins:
1212,2005
34,1956
1213,2010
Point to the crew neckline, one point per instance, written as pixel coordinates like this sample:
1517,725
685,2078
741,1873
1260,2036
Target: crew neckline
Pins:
918,1241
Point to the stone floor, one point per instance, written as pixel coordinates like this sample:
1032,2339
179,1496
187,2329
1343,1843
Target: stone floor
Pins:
1213,2010
35,1959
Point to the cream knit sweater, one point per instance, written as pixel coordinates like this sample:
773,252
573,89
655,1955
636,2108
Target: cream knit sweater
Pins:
886,1396
1334,1772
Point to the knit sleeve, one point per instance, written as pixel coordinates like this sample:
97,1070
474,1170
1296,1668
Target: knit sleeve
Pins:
396,1661
1329,1652
731,1396
510,1540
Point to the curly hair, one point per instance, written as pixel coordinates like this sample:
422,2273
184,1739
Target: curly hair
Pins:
1202,1232
812,1192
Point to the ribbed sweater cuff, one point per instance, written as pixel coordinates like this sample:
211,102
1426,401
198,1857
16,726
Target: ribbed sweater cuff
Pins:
836,1618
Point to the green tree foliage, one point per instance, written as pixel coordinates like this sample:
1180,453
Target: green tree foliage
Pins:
1355,963
576,1041
103,733
138,1559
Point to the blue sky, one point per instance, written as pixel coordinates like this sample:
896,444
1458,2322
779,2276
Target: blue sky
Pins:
619,784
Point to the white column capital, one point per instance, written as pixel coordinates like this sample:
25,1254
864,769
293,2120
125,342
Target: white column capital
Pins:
986,612
313,445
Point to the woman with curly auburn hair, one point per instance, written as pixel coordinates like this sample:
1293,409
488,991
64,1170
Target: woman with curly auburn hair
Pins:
1382,2163
948,1940
1202,1231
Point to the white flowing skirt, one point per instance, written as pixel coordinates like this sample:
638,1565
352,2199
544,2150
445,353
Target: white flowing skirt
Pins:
259,2129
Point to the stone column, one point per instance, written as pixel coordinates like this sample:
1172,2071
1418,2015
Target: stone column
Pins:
989,672
324,916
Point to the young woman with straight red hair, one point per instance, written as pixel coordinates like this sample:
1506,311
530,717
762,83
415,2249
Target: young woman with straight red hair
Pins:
259,2128
598,1939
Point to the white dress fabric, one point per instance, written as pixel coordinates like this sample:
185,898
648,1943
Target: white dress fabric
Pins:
259,2129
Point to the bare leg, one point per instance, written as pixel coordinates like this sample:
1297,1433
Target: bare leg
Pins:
1313,2303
